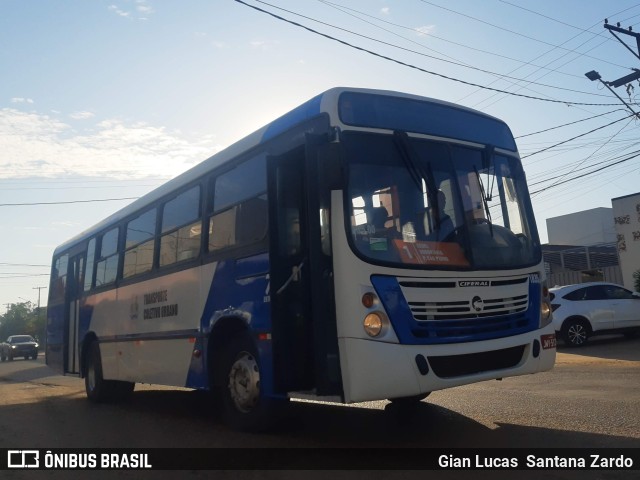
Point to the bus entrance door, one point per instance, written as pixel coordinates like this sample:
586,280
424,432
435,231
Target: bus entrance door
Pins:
72,312
292,322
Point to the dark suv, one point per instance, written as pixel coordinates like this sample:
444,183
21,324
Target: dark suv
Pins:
19,346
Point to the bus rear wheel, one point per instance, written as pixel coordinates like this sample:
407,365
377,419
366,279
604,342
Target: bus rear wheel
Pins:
97,388
245,406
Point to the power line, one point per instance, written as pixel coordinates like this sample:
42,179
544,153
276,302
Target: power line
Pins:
515,83
66,203
559,21
574,171
575,165
593,153
545,53
457,63
93,187
342,8
562,151
399,62
567,124
534,82
577,136
26,276
635,155
514,32
5,264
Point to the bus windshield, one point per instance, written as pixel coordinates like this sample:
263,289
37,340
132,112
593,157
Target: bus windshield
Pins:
439,205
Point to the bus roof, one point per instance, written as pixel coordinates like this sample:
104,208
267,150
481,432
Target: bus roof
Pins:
327,102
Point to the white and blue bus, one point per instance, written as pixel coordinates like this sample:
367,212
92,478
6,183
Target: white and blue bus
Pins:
366,245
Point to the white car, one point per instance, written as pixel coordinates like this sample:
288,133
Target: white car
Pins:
586,309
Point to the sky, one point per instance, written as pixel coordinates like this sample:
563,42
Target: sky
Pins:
102,101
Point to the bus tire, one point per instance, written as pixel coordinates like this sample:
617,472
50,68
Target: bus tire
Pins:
413,399
245,408
97,388
404,409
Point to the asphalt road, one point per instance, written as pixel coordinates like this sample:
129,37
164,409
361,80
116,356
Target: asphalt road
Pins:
590,399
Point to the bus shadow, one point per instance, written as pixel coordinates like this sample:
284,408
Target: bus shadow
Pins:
189,419
319,425
431,426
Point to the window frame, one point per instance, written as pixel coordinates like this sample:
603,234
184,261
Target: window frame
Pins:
161,233
102,259
212,211
152,239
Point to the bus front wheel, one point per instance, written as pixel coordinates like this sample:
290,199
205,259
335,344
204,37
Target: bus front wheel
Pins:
245,406
405,408
98,389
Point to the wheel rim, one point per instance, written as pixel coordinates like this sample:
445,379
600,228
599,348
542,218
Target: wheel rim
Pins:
577,334
244,382
91,377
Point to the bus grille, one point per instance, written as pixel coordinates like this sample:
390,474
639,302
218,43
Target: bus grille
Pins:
491,326
444,311
463,309
451,366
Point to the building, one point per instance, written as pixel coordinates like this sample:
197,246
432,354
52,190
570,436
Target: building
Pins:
626,216
582,248
586,228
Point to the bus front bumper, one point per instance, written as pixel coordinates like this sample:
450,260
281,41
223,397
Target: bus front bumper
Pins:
376,370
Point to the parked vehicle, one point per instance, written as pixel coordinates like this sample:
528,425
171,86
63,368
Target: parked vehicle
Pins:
583,310
19,346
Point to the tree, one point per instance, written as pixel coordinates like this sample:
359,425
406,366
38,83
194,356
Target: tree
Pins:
22,318
636,279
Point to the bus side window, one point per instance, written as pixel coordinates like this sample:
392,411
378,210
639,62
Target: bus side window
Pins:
107,266
140,244
88,276
58,280
241,224
181,228
238,206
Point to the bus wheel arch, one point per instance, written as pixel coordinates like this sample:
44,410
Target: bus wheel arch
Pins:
99,390
222,333
84,352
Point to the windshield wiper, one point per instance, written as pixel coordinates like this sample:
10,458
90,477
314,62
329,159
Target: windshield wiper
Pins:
485,199
490,157
409,157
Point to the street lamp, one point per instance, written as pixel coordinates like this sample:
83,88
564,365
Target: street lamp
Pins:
593,76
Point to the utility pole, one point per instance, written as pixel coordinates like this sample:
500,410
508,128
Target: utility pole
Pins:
629,32
627,79
38,288
44,340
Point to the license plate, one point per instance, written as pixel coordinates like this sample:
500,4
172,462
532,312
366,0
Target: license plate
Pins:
548,341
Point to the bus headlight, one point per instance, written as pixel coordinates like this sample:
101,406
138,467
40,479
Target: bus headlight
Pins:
545,307
545,313
375,324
